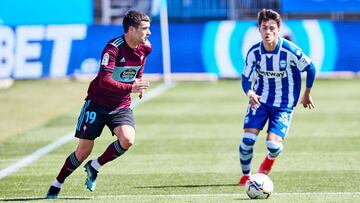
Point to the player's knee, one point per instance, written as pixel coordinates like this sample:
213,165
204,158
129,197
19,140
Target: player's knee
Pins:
127,141
82,154
249,139
275,148
247,143
125,135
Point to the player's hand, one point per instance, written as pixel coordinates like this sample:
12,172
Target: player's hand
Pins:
307,102
254,100
139,86
141,94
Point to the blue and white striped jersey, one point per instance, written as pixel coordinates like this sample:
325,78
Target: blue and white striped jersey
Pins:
276,74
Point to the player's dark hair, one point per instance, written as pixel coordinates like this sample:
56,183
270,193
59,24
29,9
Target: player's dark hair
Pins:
134,18
268,14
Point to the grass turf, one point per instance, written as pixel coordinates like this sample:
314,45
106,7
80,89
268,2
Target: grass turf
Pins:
187,146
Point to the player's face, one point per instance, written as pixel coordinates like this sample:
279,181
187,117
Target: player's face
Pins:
269,32
142,32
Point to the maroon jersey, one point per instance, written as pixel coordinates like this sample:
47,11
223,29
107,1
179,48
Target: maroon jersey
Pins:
120,66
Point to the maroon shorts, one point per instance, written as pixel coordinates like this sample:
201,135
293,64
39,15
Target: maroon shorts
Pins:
94,117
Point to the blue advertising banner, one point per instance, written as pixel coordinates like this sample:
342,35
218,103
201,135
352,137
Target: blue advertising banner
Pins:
40,12
320,6
227,43
219,47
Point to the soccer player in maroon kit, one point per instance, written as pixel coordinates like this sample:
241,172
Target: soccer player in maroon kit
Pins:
108,101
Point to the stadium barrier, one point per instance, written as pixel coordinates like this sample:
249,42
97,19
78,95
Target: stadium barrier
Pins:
214,48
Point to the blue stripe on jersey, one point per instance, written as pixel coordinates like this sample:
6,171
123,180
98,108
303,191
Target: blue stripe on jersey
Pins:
118,41
297,83
271,81
269,63
259,84
284,83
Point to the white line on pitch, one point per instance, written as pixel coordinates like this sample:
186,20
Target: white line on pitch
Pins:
36,155
242,195
69,136
221,195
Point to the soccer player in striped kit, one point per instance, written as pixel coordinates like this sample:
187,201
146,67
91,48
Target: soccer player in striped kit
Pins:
108,101
272,81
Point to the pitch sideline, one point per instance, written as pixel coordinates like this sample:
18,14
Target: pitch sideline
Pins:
220,195
181,196
69,136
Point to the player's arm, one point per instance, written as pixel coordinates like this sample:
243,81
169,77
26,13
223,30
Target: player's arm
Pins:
107,82
306,99
247,78
147,50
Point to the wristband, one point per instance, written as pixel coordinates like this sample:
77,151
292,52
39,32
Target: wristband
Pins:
250,92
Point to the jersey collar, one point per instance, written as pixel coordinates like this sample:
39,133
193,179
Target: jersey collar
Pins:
275,51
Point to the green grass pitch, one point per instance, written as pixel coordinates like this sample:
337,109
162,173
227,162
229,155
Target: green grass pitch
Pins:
186,147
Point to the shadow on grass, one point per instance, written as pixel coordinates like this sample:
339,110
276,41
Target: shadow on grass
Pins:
198,186
21,199
188,186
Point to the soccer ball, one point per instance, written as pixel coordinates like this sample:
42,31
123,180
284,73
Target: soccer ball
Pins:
259,186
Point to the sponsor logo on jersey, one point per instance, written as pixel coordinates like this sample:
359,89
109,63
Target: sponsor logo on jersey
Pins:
105,59
272,74
283,64
125,73
122,60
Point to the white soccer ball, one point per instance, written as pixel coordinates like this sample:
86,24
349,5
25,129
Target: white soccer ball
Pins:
259,186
